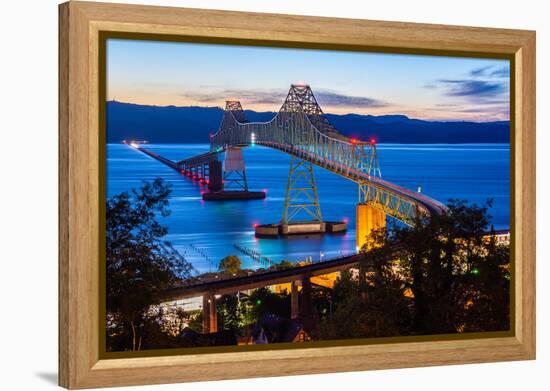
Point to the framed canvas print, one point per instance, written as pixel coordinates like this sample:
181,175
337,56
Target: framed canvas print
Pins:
247,195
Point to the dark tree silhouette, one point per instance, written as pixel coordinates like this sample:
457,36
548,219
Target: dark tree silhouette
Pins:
230,264
443,275
140,264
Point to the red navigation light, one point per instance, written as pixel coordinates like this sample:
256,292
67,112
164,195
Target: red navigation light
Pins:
354,141
373,140
255,225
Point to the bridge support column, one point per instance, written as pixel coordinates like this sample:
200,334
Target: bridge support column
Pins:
301,199
215,181
367,219
234,174
294,300
209,314
306,312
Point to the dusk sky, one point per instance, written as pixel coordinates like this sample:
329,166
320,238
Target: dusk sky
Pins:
424,87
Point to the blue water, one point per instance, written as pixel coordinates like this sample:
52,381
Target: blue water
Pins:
205,232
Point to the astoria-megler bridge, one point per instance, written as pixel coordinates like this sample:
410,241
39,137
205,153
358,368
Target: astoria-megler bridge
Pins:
301,130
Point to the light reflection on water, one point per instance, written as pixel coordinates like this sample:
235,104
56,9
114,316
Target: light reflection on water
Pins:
473,172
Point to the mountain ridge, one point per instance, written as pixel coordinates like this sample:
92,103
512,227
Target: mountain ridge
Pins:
193,124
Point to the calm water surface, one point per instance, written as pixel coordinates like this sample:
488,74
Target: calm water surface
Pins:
205,232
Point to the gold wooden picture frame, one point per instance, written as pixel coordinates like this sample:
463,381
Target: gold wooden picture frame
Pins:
83,29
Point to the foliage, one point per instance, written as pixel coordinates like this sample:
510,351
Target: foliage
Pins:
140,264
230,264
234,312
283,265
444,275
264,300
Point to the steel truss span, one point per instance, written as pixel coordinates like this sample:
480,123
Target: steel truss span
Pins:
301,129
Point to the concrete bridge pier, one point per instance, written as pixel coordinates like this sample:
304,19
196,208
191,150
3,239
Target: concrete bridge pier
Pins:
300,302
209,314
215,175
294,300
367,219
306,312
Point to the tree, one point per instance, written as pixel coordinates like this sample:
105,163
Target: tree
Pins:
230,264
442,259
233,311
372,303
445,274
263,300
283,265
140,264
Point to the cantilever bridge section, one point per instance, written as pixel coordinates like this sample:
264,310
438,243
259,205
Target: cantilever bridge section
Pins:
301,129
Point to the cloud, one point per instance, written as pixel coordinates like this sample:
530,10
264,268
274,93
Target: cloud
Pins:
276,98
485,92
258,97
471,88
490,71
482,71
334,99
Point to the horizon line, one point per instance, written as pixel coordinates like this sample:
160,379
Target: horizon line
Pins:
326,113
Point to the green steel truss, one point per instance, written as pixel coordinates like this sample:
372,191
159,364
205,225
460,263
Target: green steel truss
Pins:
301,129
235,180
302,200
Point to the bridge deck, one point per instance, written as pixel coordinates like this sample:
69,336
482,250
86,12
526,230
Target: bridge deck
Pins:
432,206
232,285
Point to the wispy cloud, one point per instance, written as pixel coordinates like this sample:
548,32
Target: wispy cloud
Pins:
482,71
490,71
485,92
334,99
219,96
474,88
276,98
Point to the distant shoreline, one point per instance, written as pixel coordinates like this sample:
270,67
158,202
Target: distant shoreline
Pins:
170,124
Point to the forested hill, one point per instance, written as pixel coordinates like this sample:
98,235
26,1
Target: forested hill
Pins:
170,124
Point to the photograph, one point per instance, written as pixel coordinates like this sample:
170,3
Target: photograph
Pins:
263,195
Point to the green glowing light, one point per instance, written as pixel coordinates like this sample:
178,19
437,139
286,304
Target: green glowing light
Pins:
475,272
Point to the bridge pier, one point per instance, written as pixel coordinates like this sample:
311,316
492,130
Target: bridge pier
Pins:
367,219
306,312
294,300
234,173
215,180
209,314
